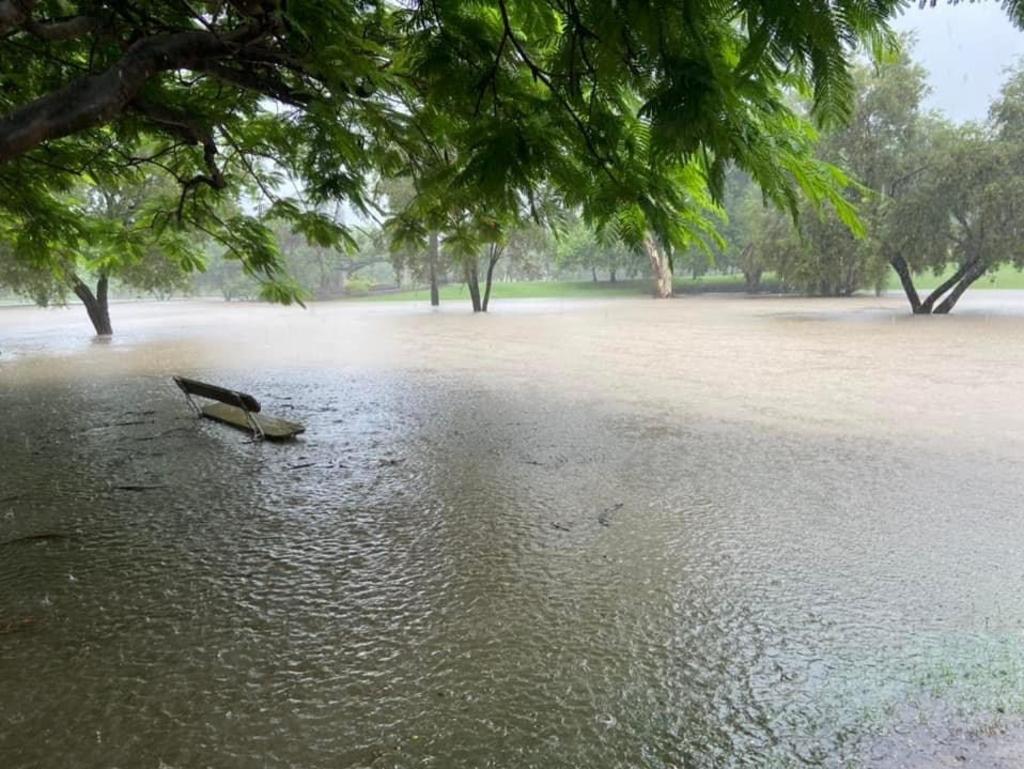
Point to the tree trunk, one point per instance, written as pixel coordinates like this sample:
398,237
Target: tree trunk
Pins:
611,275
956,284
953,280
494,256
96,304
752,280
593,273
661,267
907,281
432,258
473,282
972,275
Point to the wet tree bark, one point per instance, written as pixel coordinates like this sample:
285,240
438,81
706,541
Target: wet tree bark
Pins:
432,259
751,281
971,275
661,267
949,291
473,282
96,305
907,281
493,255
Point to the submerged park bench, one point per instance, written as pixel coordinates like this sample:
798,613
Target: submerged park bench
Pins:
237,409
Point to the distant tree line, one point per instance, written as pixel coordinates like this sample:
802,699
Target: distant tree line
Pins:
935,199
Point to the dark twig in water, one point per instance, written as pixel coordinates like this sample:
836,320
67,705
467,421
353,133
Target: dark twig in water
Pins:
603,517
139,486
559,526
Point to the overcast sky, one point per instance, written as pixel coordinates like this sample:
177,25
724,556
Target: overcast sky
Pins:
965,48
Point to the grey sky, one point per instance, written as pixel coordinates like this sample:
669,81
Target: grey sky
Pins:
966,49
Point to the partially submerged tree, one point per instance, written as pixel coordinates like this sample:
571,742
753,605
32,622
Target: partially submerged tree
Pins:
962,214
935,199
217,96
879,147
478,242
115,238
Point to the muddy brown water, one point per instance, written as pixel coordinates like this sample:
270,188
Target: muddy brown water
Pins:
712,532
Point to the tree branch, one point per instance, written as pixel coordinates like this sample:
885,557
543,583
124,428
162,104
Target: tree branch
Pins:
193,133
261,82
14,13
544,77
934,296
968,278
62,29
97,99
249,167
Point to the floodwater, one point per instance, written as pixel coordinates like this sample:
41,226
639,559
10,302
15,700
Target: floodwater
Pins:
711,532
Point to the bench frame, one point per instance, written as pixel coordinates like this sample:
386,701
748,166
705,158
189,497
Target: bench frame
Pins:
242,401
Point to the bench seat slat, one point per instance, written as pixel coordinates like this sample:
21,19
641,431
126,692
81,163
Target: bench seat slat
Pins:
274,428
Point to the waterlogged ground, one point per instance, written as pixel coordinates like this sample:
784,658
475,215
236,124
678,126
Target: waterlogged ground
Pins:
702,533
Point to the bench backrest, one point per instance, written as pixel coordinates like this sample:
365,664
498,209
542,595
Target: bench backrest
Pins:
243,401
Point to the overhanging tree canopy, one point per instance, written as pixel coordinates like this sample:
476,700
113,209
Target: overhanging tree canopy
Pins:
618,104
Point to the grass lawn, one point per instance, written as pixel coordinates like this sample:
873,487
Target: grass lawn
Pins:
571,289
1006,277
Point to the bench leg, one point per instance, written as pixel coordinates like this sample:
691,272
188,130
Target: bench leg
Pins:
257,431
193,405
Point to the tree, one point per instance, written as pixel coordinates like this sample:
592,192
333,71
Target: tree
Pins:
746,241
879,147
580,248
529,252
226,277
117,240
478,238
323,271
963,209
217,96
416,242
